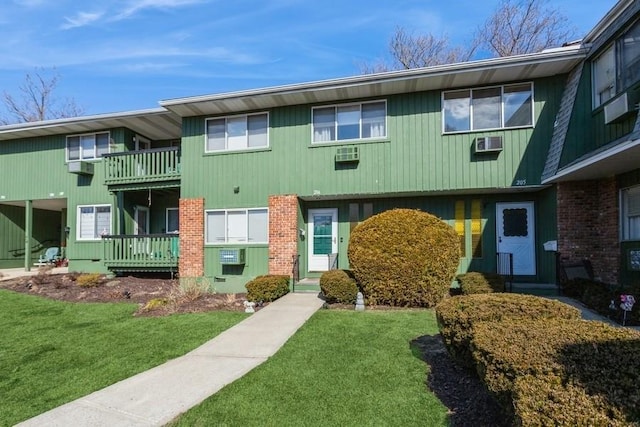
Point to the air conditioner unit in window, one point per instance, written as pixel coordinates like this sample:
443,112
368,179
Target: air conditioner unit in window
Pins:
617,109
81,168
488,144
232,256
347,154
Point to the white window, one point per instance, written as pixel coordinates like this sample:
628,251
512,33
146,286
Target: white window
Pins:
509,106
237,226
237,133
87,147
353,121
173,220
93,222
630,213
618,67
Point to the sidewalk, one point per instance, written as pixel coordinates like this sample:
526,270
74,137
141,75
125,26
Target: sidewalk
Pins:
155,397
12,273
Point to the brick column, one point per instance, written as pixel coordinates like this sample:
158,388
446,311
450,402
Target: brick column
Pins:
283,233
588,225
191,237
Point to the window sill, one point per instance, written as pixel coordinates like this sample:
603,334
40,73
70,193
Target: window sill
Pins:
349,142
242,244
478,131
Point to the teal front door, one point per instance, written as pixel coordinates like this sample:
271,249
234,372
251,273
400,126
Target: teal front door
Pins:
323,238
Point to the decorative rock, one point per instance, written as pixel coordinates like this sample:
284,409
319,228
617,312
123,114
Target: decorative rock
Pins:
359,302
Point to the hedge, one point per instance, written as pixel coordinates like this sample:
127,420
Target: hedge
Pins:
457,315
559,371
338,286
480,283
267,288
598,296
404,257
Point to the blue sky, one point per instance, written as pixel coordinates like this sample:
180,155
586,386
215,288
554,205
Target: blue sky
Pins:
120,55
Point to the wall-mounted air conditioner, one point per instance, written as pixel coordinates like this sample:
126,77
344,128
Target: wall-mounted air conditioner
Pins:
617,109
347,154
81,168
488,144
232,256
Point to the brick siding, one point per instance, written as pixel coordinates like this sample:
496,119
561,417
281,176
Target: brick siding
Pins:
191,237
588,225
283,233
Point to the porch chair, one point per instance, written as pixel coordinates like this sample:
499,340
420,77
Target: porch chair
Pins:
49,257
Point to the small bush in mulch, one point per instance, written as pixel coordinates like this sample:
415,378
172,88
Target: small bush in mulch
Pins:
338,287
89,280
457,315
480,283
560,371
267,288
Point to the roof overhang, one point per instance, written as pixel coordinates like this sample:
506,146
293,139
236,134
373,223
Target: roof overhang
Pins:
317,196
467,74
618,159
156,124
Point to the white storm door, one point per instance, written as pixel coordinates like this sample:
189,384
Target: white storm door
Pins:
323,238
515,227
141,227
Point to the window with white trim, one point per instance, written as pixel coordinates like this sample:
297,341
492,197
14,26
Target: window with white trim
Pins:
173,220
630,213
498,107
89,146
244,132
237,226
618,67
367,120
93,222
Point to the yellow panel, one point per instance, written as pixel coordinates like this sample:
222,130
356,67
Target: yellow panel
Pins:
476,228
459,227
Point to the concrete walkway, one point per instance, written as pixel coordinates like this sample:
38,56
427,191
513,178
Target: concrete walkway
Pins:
12,273
155,397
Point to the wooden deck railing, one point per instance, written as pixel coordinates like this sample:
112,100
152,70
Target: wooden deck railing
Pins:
149,252
161,164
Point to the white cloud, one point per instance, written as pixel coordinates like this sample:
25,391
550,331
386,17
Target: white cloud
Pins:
135,6
81,19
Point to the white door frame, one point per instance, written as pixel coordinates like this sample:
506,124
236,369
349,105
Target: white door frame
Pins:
321,262
523,248
136,219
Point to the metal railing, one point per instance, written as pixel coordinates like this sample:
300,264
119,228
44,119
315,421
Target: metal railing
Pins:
161,164
144,252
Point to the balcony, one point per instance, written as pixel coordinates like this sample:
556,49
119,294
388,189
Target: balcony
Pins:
149,252
140,167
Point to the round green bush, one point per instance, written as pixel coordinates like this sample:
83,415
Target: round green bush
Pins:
480,283
338,286
404,257
266,288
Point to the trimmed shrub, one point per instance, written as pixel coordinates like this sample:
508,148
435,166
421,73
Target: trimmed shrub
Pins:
457,315
561,372
480,283
404,257
267,288
89,280
338,286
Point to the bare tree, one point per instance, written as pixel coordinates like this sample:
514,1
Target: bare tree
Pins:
36,100
523,26
515,27
414,51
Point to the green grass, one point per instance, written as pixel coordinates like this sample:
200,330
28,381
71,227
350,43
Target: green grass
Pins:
342,368
53,352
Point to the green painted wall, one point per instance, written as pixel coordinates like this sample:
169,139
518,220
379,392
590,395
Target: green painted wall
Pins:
587,130
414,157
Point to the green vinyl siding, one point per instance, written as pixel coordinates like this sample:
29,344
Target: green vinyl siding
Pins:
415,156
587,129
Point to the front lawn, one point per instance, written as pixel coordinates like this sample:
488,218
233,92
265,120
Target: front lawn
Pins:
54,352
341,368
